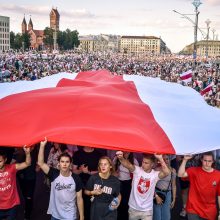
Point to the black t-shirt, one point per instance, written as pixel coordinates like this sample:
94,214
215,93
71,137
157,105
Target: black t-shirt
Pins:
110,186
90,159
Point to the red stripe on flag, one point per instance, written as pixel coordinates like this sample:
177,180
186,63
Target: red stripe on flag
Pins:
206,89
187,76
95,109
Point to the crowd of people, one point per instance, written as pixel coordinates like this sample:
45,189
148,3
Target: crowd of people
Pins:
93,184
32,66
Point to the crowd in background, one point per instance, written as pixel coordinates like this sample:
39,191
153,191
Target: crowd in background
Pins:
32,66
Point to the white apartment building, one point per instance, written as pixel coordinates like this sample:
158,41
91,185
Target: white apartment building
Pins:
4,33
102,42
142,44
204,48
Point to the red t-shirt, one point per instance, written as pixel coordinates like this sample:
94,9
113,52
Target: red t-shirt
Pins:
8,187
204,188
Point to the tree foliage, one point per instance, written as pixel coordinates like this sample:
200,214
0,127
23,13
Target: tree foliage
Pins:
16,41
48,37
26,39
66,40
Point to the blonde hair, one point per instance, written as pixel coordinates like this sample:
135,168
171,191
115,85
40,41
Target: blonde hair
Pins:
112,168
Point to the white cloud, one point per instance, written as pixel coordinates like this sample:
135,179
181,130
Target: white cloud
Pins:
212,2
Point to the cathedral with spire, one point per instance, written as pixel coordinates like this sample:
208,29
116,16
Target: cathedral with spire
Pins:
37,36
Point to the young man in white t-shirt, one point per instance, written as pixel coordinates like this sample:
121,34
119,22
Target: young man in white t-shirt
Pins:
66,188
143,185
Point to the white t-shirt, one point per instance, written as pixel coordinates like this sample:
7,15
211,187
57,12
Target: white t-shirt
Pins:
63,195
143,188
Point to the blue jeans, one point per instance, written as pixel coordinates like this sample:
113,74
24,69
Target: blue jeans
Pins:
8,214
52,218
162,212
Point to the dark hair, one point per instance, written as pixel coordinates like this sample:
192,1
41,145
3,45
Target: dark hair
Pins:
149,156
3,154
64,154
62,147
130,159
209,153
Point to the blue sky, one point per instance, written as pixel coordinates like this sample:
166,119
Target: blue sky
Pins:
122,17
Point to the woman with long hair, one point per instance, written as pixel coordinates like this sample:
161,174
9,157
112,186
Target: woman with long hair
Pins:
165,193
104,189
125,178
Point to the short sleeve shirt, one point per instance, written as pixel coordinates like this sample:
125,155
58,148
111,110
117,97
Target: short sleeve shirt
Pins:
62,203
8,187
143,188
110,187
204,188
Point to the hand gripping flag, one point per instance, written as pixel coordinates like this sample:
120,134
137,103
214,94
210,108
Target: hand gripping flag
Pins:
95,108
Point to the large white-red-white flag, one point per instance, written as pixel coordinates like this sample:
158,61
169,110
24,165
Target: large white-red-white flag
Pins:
95,108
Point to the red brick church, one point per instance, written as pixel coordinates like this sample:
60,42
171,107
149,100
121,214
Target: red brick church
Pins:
38,35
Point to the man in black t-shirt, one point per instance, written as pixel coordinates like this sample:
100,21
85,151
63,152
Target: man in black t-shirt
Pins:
85,163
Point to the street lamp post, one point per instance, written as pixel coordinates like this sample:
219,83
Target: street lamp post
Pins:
196,4
207,38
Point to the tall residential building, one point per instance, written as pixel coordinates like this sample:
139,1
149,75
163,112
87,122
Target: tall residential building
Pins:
142,44
54,19
4,33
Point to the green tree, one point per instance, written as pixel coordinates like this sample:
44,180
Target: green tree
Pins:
48,40
68,39
75,37
18,41
26,38
12,40
60,39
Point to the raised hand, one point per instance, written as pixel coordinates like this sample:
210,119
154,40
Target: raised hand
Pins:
119,154
187,157
44,142
27,150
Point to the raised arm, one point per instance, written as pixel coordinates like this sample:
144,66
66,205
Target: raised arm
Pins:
165,171
173,189
182,169
27,163
125,162
40,161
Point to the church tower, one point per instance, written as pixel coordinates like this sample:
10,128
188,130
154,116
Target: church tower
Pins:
24,26
54,19
30,25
